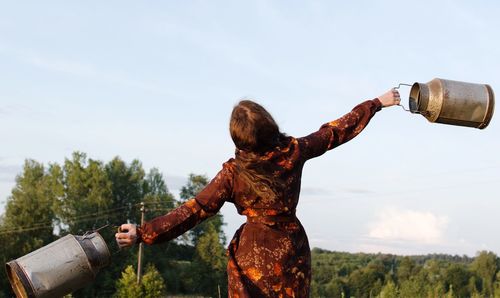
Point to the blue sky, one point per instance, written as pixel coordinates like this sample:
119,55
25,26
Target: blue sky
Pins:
156,81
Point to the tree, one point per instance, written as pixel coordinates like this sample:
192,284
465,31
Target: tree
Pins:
127,188
5,256
29,218
158,201
81,195
496,286
209,260
95,195
29,210
87,193
130,186
210,250
405,269
389,290
315,289
335,288
410,288
450,293
457,276
367,281
194,185
485,266
153,285
126,286
157,197
209,264
474,286
434,271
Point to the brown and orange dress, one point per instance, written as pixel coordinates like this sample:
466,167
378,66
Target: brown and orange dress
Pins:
269,256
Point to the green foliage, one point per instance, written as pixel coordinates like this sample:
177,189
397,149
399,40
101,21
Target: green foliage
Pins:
335,288
376,275
405,269
80,195
31,205
389,290
457,277
127,188
108,194
194,185
486,267
209,260
156,195
29,218
450,293
210,250
126,286
152,282
411,288
210,264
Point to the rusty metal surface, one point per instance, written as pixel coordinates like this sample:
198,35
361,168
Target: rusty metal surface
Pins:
490,109
453,102
20,283
60,267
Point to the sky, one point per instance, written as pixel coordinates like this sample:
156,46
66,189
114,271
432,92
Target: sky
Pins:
156,81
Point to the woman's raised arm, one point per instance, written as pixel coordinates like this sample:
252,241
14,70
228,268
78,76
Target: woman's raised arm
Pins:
340,131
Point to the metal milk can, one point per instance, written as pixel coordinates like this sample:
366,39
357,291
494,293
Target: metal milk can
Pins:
453,102
60,267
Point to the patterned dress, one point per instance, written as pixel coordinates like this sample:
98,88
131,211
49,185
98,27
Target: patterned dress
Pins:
269,256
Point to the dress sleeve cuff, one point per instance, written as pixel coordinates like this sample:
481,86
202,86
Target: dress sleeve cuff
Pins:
378,104
139,234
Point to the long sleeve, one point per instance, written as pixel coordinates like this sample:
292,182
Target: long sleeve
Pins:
207,203
340,131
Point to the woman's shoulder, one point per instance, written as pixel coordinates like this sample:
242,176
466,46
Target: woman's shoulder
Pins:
229,166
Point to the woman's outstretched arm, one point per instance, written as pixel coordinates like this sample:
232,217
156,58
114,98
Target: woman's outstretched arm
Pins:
178,221
340,131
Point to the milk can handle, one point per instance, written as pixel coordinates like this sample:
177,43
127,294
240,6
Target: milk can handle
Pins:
396,88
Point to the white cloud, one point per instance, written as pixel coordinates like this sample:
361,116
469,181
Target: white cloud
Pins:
408,225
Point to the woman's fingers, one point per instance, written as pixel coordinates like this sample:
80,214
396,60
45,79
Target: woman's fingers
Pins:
390,98
397,96
124,242
126,227
126,236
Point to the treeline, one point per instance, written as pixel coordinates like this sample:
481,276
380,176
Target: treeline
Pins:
340,274
84,194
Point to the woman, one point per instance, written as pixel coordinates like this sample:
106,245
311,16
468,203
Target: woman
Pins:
269,255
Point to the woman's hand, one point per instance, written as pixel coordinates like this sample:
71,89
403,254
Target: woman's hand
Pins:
127,235
390,98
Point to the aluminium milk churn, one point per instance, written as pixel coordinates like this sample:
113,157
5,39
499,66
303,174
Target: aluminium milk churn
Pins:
453,102
60,267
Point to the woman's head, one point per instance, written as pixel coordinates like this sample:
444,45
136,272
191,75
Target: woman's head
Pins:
253,128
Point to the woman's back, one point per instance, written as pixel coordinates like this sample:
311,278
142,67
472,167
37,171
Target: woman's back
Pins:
269,255
268,184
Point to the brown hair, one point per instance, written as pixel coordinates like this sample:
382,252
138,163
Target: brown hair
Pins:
252,128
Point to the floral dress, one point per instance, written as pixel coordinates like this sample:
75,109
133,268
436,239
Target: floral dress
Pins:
269,255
